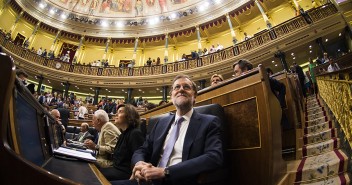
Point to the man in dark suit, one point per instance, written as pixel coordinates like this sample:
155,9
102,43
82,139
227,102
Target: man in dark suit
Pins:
181,146
301,77
64,113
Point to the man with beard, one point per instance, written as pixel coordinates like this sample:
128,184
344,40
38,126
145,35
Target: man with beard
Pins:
181,146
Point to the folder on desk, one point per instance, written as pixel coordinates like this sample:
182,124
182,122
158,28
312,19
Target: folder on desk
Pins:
83,155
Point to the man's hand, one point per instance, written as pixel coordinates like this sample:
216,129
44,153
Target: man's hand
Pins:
152,172
89,144
136,172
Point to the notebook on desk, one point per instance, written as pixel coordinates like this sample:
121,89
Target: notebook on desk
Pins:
75,153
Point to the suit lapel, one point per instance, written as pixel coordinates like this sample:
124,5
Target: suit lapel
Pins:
191,134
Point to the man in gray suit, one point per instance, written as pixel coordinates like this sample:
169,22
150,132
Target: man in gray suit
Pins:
84,134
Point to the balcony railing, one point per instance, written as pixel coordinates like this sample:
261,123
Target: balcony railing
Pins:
264,38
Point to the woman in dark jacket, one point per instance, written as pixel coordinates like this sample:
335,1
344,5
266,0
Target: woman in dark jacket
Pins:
127,120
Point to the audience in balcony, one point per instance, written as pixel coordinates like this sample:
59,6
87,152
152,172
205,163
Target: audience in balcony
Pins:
205,51
44,53
8,35
219,47
333,66
184,57
325,58
26,43
212,49
149,62
158,61
246,37
39,51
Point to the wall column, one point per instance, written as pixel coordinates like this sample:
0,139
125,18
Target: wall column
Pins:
106,48
67,87
202,84
34,33
96,95
266,19
40,83
233,34
166,53
52,48
199,40
129,95
16,21
165,93
78,50
5,5
281,55
319,41
135,52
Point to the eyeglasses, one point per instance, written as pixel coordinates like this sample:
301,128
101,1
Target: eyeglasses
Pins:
185,87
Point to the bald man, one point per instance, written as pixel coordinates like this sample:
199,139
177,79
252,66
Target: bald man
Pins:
84,134
60,128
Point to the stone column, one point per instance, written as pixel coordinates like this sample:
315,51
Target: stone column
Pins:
96,95
52,48
129,95
266,19
78,49
202,84
199,39
166,53
106,48
40,83
281,55
165,93
34,32
233,34
319,41
67,87
17,19
135,52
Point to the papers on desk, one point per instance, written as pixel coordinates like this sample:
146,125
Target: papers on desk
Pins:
75,153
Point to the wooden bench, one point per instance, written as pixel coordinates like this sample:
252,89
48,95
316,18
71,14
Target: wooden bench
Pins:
252,129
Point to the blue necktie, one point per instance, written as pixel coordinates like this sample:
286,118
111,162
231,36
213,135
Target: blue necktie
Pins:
171,143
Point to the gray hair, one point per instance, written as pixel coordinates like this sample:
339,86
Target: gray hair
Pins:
102,116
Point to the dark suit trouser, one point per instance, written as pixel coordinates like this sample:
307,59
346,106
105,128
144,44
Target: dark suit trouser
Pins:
112,174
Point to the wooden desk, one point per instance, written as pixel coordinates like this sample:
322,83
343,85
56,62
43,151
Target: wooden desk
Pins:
78,171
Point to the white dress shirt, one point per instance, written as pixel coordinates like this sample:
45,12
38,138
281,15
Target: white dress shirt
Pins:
176,155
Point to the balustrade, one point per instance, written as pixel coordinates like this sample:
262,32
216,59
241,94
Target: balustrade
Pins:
263,38
336,90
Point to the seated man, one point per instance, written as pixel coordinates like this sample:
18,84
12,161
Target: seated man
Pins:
216,79
241,67
181,146
108,136
84,134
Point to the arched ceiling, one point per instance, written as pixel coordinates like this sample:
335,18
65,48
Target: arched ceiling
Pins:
120,18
